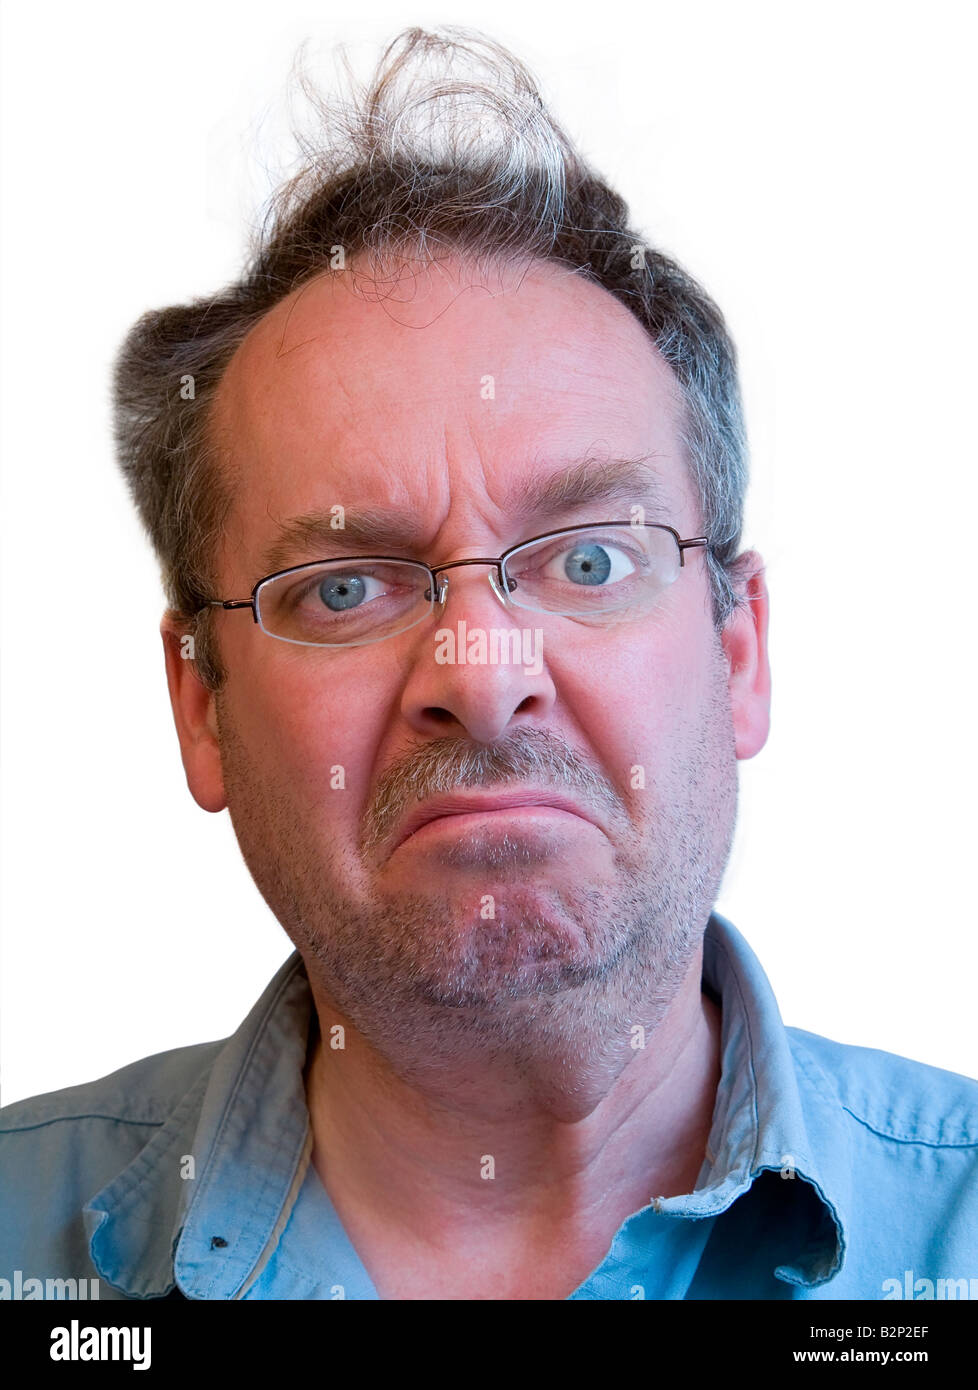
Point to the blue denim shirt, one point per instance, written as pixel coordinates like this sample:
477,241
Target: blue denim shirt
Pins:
831,1171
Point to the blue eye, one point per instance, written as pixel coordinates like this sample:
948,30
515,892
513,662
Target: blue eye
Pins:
591,564
342,591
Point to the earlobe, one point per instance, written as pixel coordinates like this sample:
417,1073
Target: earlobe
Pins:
194,716
744,640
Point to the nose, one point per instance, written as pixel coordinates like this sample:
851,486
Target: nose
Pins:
470,675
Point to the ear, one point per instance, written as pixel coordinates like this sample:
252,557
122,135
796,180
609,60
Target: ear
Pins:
194,715
744,640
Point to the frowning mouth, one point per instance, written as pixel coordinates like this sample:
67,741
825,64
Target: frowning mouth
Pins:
456,813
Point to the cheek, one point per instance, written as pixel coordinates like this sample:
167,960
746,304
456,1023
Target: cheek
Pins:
639,704
313,732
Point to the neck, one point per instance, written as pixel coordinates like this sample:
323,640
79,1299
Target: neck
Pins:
512,1145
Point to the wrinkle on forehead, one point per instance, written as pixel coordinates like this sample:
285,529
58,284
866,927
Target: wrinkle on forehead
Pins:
336,379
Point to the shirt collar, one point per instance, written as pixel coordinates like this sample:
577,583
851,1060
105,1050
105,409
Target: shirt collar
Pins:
200,1202
180,1210
775,1112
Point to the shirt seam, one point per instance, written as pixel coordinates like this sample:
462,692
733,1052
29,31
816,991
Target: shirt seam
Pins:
82,1115
814,1070
910,1139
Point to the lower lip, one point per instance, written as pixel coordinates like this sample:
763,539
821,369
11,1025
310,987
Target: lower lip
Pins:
458,822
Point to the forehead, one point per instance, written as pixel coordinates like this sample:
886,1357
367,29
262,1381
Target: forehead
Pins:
439,393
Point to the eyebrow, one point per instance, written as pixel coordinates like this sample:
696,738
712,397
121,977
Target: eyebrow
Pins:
625,481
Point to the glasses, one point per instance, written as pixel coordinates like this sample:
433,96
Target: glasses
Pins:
616,567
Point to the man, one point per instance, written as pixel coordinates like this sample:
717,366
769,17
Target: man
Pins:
515,1055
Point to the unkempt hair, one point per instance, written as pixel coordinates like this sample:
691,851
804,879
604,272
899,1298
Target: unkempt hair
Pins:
448,150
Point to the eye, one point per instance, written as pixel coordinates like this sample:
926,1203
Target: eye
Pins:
342,591
592,563
336,591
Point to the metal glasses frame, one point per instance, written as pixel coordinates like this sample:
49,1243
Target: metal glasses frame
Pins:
502,589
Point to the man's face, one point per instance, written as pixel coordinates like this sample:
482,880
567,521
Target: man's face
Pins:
436,402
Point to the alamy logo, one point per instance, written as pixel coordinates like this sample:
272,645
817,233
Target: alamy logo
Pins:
27,1287
76,1343
510,646
911,1288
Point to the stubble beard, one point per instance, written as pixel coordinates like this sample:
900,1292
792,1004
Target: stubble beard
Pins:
558,978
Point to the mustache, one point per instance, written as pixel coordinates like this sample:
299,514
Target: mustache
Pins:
528,756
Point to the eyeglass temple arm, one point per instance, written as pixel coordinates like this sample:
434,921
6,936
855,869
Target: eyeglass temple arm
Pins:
698,540
229,603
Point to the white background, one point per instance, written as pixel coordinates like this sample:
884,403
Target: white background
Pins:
813,166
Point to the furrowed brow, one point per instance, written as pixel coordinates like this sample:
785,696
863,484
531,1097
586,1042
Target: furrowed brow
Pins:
313,535
626,482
